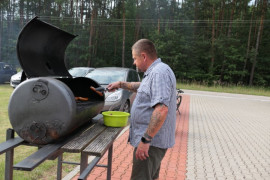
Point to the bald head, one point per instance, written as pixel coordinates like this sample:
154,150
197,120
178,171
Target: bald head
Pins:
145,46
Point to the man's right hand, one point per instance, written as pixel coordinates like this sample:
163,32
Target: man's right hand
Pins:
114,86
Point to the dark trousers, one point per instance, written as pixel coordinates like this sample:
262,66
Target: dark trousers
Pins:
148,169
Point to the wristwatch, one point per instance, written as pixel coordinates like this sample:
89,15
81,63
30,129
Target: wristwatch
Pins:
145,141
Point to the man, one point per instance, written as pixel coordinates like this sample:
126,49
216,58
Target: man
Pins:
153,115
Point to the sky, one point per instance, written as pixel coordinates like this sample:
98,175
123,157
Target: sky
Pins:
251,2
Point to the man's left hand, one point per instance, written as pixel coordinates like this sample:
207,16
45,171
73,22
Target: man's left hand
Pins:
142,151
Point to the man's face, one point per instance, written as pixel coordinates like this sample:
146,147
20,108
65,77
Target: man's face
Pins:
138,61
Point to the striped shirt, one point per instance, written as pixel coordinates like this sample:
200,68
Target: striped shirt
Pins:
157,86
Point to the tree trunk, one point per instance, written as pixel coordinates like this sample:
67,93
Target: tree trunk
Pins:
39,7
228,35
13,12
124,35
138,23
71,8
95,47
213,38
1,26
195,16
115,41
158,26
89,63
264,7
158,18
137,29
182,4
8,27
231,19
82,8
248,45
59,10
115,15
256,22
220,18
103,9
21,6
171,24
76,12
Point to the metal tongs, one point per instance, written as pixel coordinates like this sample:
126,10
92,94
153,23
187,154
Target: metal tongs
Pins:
99,90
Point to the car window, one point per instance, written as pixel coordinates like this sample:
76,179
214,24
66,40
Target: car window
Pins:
130,76
7,67
78,72
106,76
134,76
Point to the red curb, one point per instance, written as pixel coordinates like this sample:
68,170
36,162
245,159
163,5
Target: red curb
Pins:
173,165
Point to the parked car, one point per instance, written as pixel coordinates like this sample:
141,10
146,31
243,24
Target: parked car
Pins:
15,80
120,100
75,72
80,71
6,71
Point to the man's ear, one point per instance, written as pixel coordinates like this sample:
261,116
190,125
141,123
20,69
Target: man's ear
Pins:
144,56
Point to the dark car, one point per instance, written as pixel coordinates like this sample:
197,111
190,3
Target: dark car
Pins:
120,100
6,71
80,71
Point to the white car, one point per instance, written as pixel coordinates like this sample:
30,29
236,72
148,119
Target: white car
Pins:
79,71
120,100
15,80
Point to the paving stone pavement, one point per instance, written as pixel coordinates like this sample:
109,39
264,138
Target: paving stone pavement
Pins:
173,165
218,136
229,136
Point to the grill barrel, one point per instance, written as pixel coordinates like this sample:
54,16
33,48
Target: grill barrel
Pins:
43,109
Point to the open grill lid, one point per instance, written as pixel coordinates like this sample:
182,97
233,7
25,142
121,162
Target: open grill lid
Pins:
41,49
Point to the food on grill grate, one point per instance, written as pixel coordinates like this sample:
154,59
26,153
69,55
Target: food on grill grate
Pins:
96,91
81,99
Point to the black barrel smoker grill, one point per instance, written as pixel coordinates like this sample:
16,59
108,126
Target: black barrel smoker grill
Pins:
43,109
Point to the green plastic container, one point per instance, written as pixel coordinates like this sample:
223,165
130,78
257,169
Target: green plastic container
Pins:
115,118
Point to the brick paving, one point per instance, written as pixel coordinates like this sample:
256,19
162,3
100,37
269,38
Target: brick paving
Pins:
229,137
173,165
218,136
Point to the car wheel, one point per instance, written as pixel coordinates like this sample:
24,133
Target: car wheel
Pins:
126,107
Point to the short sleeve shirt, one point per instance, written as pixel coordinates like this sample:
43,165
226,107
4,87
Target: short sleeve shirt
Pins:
157,86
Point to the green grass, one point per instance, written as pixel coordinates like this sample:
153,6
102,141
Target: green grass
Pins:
46,170
259,91
5,92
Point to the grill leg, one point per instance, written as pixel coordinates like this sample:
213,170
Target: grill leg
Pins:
109,170
9,157
59,167
84,162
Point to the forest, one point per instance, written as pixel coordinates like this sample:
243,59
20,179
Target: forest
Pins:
224,42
